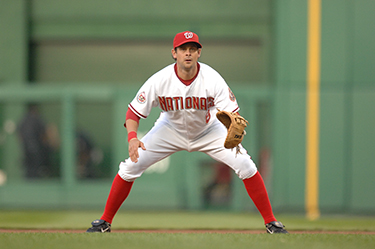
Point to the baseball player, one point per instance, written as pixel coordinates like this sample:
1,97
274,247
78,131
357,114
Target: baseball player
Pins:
189,94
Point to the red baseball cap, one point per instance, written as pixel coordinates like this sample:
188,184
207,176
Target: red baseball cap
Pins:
185,37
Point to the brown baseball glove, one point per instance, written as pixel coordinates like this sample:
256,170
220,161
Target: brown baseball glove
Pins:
235,125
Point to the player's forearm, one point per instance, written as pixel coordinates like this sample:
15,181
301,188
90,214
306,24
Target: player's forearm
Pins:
131,125
134,143
132,128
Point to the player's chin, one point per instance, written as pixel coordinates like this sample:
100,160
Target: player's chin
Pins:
188,64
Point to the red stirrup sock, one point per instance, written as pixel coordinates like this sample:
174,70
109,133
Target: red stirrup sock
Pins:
119,191
257,191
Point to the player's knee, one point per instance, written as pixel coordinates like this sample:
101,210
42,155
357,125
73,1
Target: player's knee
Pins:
246,170
128,171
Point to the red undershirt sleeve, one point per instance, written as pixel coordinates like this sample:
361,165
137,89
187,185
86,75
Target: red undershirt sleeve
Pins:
131,115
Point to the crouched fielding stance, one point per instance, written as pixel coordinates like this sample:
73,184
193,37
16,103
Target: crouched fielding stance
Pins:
189,93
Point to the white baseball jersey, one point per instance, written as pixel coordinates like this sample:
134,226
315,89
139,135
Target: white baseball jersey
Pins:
188,109
187,122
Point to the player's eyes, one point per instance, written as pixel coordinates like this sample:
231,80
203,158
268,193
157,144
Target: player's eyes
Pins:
190,49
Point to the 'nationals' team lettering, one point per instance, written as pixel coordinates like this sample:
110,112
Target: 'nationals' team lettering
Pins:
179,103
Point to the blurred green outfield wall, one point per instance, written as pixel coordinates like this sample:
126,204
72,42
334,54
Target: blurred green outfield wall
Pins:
346,106
111,47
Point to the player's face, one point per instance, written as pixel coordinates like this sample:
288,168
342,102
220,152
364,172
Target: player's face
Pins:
187,55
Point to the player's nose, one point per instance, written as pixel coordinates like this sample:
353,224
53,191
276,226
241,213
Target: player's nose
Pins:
189,51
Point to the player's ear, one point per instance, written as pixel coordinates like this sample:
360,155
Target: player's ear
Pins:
174,54
199,52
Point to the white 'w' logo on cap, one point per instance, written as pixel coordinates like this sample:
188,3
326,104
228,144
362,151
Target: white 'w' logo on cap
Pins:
189,35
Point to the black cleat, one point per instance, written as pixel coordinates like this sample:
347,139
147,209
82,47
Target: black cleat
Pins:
275,227
99,226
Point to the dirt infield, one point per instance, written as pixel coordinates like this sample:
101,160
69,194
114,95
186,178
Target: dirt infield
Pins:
181,231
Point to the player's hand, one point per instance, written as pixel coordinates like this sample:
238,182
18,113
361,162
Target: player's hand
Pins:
134,144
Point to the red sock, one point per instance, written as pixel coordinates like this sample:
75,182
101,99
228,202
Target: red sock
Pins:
119,191
257,191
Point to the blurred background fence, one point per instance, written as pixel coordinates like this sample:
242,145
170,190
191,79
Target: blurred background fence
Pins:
77,64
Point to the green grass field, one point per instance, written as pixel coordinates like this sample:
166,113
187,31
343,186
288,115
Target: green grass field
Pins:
198,221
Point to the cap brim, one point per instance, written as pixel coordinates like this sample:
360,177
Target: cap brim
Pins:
184,42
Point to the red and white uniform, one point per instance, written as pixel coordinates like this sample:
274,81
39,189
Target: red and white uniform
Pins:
187,121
